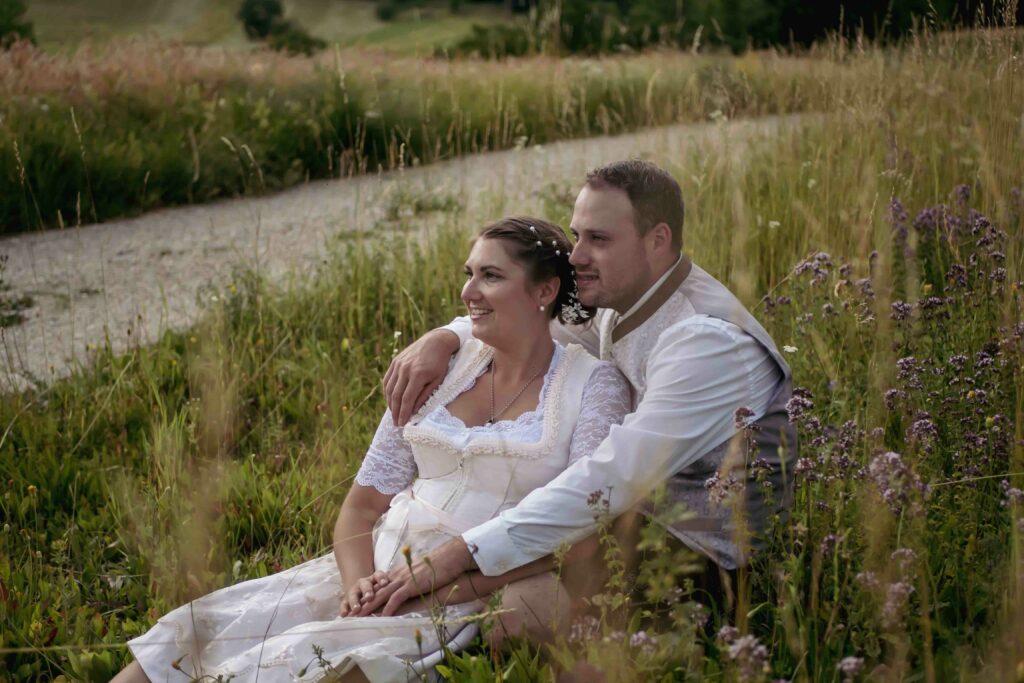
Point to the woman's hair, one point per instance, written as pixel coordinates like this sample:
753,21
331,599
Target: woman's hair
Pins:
544,250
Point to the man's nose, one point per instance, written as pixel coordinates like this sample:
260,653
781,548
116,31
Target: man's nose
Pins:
578,257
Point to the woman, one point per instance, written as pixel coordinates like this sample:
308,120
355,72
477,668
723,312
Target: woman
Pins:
514,410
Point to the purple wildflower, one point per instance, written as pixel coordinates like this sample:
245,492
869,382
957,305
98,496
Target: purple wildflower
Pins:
829,543
924,432
850,667
957,276
805,469
898,484
868,580
901,311
897,213
893,398
904,558
797,407
644,642
750,657
584,629
721,489
962,193
1014,496
728,634
866,288
910,370
742,417
896,598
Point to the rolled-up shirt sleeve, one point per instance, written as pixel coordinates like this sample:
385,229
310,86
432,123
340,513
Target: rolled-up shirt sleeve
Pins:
462,328
699,373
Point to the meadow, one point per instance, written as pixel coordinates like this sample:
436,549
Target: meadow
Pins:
879,243
117,128
63,24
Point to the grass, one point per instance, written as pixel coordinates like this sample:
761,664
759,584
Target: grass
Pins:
63,25
116,130
222,453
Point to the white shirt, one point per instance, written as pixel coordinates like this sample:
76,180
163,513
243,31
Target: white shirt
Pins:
687,383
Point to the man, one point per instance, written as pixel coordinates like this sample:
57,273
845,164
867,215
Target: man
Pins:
710,390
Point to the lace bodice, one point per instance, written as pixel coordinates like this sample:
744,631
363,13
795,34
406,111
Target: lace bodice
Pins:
389,465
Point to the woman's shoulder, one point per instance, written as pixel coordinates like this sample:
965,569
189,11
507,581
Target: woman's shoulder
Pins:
586,363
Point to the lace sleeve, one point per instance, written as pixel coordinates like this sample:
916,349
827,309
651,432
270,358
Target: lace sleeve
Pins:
388,466
606,400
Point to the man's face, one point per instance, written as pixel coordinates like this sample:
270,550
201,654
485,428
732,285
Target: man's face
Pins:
612,260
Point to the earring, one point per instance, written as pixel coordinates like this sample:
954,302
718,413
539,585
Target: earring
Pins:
542,307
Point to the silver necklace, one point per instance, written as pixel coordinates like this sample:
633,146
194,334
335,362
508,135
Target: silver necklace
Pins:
508,405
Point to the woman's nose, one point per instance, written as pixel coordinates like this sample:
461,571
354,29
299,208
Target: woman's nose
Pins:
469,290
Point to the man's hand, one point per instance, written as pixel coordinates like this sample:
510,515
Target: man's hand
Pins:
417,371
438,569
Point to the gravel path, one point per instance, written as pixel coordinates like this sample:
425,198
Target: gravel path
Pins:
129,280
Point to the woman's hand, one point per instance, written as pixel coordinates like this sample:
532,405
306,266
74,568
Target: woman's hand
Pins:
361,593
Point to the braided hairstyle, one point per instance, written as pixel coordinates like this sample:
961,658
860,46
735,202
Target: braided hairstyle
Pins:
543,249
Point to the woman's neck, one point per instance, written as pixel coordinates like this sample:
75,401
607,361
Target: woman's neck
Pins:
523,358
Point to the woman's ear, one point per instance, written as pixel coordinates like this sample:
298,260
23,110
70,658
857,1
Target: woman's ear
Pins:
547,291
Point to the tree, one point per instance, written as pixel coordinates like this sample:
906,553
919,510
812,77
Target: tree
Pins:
13,26
259,17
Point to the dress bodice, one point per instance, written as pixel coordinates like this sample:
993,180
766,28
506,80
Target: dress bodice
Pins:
467,475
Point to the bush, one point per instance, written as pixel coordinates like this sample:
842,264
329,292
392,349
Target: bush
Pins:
387,10
293,39
497,41
260,16
13,26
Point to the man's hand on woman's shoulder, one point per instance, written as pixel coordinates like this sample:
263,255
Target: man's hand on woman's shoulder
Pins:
417,371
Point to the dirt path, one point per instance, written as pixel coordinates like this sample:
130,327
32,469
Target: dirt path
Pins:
132,279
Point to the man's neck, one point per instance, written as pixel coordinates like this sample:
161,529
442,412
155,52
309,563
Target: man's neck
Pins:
656,277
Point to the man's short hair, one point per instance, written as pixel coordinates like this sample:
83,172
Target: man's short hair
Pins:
655,195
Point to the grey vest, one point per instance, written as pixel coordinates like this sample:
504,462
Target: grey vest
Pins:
727,532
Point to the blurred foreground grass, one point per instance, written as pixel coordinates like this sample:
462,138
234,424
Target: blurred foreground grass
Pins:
880,243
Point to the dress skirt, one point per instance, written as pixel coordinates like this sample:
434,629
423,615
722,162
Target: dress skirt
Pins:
285,627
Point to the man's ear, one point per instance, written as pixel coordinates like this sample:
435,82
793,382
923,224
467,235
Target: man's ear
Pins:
660,237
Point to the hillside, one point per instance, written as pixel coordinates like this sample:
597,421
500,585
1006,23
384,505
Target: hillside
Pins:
66,23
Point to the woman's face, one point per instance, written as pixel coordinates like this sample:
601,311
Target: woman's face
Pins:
502,301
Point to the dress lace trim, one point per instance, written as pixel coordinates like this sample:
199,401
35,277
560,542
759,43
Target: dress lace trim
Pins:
491,441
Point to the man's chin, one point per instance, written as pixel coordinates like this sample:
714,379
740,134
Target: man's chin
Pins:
592,299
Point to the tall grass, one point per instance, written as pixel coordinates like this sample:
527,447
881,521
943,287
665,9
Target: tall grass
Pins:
880,244
119,129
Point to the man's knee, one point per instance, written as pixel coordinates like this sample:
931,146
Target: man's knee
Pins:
536,608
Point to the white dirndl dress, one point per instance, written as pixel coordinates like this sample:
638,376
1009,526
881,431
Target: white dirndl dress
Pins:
448,478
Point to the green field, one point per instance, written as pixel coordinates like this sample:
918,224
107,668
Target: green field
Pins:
880,241
62,24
